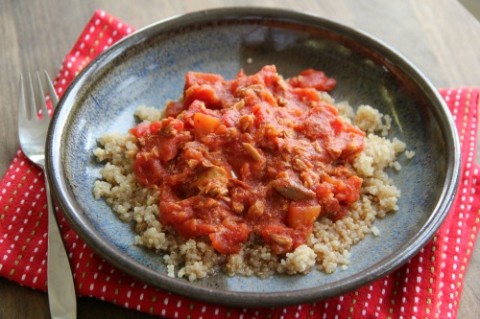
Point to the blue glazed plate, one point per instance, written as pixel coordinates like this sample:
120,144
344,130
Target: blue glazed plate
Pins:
148,68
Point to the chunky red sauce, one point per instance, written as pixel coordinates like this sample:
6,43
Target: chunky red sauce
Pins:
254,155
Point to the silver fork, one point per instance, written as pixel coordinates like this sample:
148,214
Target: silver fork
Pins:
32,133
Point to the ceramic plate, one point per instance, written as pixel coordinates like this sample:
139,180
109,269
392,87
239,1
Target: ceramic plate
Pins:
148,68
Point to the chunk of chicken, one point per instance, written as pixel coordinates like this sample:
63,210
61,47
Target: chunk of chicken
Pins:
213,181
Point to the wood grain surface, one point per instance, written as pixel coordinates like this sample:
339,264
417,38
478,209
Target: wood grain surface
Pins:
439,36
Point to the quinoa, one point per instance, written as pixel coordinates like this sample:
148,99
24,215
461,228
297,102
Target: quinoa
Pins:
328,247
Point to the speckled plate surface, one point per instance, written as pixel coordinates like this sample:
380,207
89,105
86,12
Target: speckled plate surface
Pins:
148,67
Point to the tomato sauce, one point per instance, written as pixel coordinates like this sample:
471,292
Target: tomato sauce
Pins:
257,156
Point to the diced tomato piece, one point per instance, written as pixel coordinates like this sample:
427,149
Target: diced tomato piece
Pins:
318,124
178,125
347,142
140,130
269,75
230,237
324,190
346,145
168,149
329,108
349,192
326,196
204,93
167,127
334,191
200,78
205,124
306,94
354,147
164,148
331,206
302,215
313,78
278,237
194,228
155,126
173,109
171,215
338,125
149,171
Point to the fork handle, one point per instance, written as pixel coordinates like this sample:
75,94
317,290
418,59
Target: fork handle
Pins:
61,287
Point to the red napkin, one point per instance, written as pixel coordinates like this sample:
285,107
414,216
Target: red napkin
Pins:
429,285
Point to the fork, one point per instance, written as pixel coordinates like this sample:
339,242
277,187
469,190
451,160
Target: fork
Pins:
32,133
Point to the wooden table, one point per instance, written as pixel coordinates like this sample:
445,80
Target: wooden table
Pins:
439,36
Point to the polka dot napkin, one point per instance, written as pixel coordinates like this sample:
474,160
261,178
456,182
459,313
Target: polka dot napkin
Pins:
428,286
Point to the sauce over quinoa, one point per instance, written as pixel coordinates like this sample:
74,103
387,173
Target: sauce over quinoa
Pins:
257,155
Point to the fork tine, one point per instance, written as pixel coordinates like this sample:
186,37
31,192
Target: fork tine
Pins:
22,111
51,90
43,104
31,107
